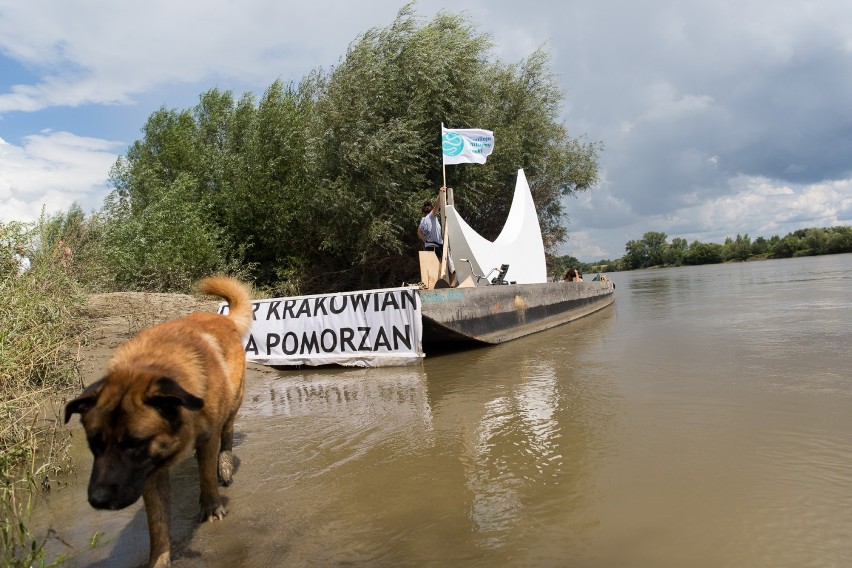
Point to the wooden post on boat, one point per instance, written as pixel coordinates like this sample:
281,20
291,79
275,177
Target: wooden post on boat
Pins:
430,269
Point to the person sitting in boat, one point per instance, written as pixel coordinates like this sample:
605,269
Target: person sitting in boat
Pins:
429,231
573,276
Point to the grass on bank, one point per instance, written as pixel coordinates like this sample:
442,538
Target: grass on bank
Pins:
39,331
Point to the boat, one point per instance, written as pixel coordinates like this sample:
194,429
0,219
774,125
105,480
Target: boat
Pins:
480,293
459,317
485,292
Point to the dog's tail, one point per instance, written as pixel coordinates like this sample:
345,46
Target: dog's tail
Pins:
236,294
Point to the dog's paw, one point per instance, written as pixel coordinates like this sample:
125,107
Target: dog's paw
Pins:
216,513
226,468
162,561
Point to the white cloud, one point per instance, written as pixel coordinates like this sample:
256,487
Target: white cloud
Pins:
52,170
584,245
107,53
762,207
757,206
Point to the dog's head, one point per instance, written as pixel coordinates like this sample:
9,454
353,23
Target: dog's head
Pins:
134,427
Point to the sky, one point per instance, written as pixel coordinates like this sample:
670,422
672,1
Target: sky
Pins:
717,117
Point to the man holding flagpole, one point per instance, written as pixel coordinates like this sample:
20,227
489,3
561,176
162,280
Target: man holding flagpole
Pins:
429,230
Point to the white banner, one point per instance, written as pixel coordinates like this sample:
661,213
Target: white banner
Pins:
466,145
363,329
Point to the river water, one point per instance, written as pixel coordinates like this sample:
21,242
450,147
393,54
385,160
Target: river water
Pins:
703,420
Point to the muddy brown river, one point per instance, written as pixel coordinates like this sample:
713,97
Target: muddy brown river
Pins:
703,420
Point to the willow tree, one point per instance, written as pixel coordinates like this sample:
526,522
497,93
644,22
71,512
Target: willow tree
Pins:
231,168
267,149
376,138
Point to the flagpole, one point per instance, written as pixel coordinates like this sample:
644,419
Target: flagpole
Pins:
443,163
444,168
444,272
442,196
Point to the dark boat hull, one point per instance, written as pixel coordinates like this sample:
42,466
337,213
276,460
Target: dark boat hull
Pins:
495,314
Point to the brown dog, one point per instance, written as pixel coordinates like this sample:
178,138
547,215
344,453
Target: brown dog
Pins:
173,388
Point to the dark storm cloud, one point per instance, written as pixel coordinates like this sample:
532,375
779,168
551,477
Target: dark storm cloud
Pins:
795,121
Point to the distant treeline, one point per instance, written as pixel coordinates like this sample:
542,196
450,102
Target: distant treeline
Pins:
318,186
654,249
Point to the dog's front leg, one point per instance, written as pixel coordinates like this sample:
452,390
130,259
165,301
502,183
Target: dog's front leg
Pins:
208,462
157,495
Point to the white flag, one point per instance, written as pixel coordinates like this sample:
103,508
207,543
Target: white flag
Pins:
466,145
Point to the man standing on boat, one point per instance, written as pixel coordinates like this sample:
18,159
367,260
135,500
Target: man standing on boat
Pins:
429,231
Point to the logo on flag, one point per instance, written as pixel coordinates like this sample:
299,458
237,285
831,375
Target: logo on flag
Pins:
466,145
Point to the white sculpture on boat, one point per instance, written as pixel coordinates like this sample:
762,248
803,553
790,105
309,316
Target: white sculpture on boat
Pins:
519,245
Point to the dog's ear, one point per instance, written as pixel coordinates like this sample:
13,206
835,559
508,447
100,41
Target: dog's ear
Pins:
85,401
166,394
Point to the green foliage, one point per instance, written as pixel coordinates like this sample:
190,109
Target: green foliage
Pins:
653,250
655,244
739,249
637,255
166,246
787,246
39,327
839,240
703,253
677,251
760,247
78,244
